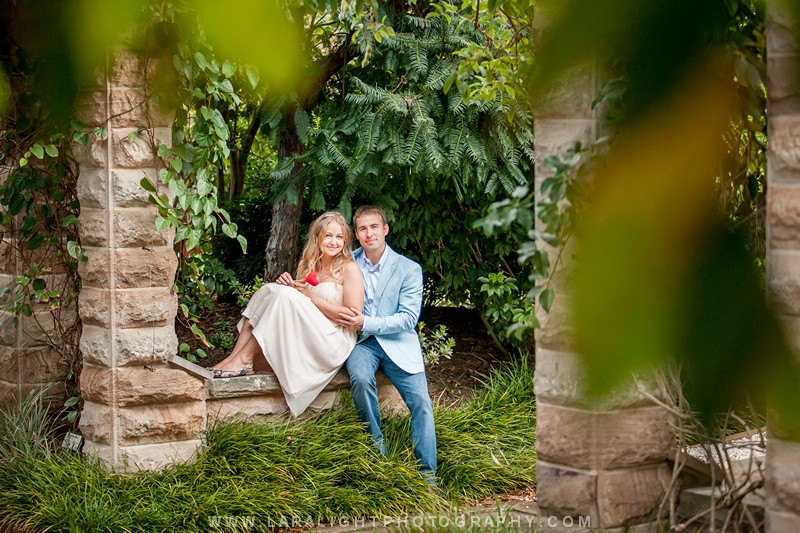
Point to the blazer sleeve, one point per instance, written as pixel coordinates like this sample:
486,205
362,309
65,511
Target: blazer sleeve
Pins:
409,306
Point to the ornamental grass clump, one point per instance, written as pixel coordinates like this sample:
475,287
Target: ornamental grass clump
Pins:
260,476
27,429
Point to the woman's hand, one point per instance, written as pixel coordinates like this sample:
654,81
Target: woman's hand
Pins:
303,288
285,279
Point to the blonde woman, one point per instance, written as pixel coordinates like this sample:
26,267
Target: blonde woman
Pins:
291,323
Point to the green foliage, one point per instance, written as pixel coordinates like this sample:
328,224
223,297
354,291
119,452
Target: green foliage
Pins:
27,430
556,205
325,467
651,236
245,292
509,313
39,213
491,68
252,215
436,344
223,338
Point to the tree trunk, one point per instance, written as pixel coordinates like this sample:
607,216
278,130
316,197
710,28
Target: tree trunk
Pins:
235,187
281,251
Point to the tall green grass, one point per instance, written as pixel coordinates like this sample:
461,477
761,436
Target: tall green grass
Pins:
258,476
28,428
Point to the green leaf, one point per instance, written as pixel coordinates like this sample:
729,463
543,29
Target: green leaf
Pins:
228,68
177,164
147,185
23,161
72,401
229,230
36,240
200,59
70,220
178,187
193,239
51,150
37,150
546,298
73,249
162,223
183,348
252,75
204,187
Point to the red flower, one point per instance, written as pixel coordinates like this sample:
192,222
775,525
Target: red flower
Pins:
311,279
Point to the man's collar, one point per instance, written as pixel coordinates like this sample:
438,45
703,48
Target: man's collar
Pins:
381,261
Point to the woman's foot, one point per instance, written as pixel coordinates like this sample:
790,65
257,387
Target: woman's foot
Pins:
246,370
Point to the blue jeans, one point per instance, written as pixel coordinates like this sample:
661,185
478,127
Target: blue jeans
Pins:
365,359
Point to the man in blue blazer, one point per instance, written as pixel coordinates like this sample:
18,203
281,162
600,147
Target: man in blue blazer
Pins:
389,341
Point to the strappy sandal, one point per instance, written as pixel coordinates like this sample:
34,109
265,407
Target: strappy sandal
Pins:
246,370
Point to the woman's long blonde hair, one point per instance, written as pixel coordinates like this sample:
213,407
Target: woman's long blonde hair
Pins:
312,255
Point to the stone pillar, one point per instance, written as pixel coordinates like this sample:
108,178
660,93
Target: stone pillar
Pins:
607,462
139,413
783,245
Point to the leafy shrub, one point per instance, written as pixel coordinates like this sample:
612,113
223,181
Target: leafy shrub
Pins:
211,279
252,216
436,344
508,312
245,292
223,338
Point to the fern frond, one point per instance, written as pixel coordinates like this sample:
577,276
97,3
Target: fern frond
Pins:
420,58
477,150
302,124
433,151
437,76
283,169
413,144
338,157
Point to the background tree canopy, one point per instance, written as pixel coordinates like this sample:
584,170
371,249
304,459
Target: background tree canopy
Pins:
409,105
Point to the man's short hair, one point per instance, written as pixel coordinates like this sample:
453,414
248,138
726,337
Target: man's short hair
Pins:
368,210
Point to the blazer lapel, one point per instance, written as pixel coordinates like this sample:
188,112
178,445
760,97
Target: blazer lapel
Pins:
386,275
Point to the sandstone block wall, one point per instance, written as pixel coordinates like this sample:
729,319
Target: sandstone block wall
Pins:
28,360
783,245
604,460
139,413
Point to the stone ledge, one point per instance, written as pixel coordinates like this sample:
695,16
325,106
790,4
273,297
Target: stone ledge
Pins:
143,457
262,383
260,394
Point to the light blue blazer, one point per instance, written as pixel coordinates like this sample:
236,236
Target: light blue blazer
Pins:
395,310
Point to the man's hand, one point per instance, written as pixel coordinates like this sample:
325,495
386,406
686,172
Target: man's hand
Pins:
352,319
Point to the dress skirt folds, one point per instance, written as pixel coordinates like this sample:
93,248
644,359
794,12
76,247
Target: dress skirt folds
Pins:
303,347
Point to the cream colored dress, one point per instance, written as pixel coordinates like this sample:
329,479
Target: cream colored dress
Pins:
303,347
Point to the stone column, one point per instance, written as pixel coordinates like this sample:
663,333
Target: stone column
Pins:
783,246
138,413
607,462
